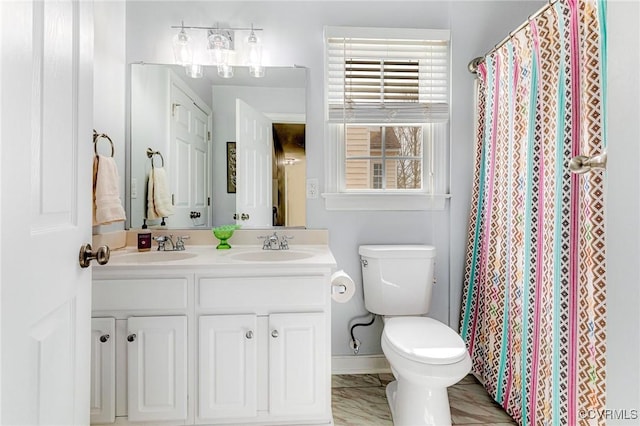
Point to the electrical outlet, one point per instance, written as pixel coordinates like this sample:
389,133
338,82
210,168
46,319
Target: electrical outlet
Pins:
312,188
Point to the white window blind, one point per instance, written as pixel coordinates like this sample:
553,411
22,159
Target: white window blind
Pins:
376,77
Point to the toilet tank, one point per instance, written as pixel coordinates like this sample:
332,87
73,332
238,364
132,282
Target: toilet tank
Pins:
397,279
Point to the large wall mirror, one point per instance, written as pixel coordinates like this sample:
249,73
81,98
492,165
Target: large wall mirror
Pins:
209,151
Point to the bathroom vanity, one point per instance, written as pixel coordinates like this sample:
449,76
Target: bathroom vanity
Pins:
206,336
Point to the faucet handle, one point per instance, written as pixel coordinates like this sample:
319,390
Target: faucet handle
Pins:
265,243
180,242
284,243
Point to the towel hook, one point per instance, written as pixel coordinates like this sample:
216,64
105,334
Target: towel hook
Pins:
151,153
96,137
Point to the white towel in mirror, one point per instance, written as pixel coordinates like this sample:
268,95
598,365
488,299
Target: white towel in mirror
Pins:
158,195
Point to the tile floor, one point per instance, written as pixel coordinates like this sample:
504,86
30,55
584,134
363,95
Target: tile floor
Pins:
360,400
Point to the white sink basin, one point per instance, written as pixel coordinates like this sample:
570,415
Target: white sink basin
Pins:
152,256
271,255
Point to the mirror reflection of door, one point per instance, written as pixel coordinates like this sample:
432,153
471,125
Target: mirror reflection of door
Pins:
254,145
289,175
189,154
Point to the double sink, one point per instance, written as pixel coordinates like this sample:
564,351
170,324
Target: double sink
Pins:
244,254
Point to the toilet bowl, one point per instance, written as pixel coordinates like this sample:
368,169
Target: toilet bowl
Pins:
425,355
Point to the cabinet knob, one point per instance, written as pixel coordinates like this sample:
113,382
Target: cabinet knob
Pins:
104,338
249,334
274,334
131,337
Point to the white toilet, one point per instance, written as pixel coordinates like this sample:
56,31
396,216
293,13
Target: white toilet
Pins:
425,355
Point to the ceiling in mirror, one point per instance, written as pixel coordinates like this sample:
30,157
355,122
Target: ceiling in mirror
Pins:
192,122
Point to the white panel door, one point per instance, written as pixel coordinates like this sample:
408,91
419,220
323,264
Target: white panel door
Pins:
157,368
46,131
297,359
228,364
189,158
254,145
103,370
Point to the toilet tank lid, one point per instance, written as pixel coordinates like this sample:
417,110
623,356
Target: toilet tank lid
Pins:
399,251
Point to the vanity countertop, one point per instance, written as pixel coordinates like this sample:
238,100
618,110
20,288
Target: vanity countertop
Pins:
207,256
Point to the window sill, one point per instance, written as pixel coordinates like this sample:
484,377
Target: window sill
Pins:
389,201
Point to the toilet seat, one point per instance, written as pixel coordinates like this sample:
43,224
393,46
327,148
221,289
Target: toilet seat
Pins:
424,340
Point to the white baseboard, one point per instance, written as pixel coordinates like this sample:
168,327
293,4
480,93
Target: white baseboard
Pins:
359,364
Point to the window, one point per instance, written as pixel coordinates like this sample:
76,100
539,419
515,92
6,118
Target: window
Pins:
387,111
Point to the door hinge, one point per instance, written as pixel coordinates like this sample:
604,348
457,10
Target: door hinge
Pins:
208,201
173,109
209,136
173,199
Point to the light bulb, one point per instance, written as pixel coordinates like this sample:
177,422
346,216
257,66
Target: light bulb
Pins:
181,48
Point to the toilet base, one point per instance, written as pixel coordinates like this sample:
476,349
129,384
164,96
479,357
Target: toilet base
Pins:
416,405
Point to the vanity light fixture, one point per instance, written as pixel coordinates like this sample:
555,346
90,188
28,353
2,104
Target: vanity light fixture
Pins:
220,47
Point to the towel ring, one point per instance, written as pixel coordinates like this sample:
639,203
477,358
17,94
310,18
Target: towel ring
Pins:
151,153
97,137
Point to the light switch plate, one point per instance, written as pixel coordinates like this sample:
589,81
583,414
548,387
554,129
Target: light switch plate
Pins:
312,188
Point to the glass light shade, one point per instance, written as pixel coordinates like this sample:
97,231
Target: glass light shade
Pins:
218,48
181,48
254,59
256,71
225,71
193,70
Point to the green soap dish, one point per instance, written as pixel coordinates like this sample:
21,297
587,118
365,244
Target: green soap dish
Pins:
223,233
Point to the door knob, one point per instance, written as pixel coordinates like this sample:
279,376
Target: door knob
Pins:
104,338
87,255
274,334
244,216
235,216
131,337
249,334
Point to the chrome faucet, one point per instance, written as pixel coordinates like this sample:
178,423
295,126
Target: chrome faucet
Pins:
274,242
164,239
162,242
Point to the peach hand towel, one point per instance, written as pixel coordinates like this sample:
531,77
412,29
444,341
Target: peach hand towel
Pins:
107,206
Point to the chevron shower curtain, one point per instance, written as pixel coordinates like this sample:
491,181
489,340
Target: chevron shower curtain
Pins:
533,308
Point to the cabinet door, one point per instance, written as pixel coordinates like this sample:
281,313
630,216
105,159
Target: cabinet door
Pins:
103,370
157,368
227,369
297,357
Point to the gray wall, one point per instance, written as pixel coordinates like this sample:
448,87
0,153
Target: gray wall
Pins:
623,209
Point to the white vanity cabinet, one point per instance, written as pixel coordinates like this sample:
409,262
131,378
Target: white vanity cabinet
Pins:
140,372
157,368
264,354
231,345
103,370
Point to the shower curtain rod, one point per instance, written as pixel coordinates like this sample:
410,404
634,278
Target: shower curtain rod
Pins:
473,65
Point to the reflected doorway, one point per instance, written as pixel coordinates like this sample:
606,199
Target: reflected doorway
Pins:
289,174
